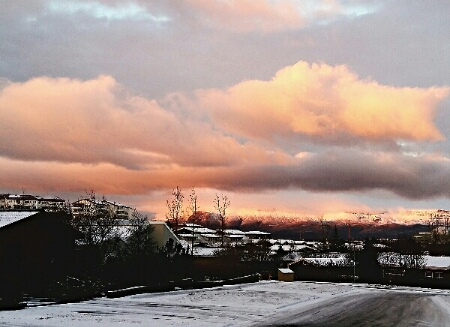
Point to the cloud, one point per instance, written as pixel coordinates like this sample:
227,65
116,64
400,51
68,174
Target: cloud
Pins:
327,104
270,16
333,171
246,15
71,134
125,11
99,121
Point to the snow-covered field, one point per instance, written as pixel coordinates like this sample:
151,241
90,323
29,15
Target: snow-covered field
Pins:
237,305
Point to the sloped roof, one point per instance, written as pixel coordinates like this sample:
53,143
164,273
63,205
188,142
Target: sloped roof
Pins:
234,232
199,230
9,217
256,232
209,235
432,262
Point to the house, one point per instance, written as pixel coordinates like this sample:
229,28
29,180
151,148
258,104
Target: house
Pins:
257,235
195,230
162,233
436,268
210,239
233,236
198,235
121,211
285,275
89,206
35,247
336,267
423,237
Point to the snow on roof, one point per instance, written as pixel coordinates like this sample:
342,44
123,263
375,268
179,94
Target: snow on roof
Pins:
314,243
205,252
285,241
200,230
275,247
192,225
238,237
9,217
117,204
210,235
300,247
234,232
19,196
336,260
437,262
256,232
285,270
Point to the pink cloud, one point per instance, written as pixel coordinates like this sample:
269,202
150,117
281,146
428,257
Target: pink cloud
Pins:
98,121
325,103
248,15
72,135
267,16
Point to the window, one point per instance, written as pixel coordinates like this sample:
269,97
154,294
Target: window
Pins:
438,274
428,274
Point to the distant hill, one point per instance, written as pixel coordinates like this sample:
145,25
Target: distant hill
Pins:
348,224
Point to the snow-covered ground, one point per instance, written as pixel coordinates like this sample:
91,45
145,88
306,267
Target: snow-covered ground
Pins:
237,305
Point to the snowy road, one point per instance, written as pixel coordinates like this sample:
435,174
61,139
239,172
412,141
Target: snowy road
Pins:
376,309
268,303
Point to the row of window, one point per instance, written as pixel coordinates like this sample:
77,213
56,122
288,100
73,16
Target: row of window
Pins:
434,274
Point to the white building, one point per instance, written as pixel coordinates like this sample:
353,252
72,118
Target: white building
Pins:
162,233
30,202
101,208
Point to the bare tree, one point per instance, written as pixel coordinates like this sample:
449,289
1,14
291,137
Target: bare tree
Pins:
99,226
95,222
402,260
193,206
175,208
439,226
221,204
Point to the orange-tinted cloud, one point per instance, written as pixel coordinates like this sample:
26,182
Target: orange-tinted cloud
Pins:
321,102
342,170
72,135
98,121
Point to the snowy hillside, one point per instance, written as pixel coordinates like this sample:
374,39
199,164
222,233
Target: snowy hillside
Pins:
400,216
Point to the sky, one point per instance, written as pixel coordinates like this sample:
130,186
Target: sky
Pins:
286,107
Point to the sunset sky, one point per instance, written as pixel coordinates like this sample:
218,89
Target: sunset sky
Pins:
287,107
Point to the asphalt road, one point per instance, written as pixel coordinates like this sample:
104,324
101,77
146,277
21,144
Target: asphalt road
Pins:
377,309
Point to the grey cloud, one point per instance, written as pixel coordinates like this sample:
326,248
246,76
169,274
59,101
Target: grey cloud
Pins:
348,171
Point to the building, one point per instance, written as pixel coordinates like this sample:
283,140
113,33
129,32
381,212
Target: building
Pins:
285,275
257,235
101,208
121,211
162,234
36,247
198,235
31,202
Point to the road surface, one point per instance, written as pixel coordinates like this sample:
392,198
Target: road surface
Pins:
376,309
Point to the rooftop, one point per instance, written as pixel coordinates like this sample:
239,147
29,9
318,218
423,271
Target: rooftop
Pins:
10,217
